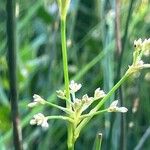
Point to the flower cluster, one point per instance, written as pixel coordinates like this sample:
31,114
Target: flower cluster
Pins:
37,100
74,87
98,94
114,108
39,119
80,104
142,45
141,48
61,94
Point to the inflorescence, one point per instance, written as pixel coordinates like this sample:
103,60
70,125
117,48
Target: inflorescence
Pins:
75,114
78,105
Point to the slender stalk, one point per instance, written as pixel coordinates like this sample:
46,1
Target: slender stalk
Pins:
65,60
60,117
66,78
93,114
68,111
11,41
86,120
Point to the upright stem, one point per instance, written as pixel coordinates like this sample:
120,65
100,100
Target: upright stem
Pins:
66,78
11,41
65,60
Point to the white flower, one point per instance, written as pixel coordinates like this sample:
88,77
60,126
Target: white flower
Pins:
140,63
99,94
61,94
146,47
82,104
39,119
77,104
74,87
143,45
147,53
86,98
114,108
138,43
37,100
122,109
86,102
146,42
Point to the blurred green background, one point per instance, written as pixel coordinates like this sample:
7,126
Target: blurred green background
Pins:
93,61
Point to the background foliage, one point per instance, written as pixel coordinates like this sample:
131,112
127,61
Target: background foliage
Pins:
93,62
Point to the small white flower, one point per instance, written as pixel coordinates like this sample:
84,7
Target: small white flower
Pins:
74,87
146,43
61,94
86,98
140,63
99,94
146,53
82,104
86,102
37,100
39,119
122,109
143,45
138,43
146,47
77,104
113,105
114,108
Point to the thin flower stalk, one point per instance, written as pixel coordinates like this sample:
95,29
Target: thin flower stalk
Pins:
61,118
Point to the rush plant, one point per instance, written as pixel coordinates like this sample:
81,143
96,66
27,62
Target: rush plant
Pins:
75,107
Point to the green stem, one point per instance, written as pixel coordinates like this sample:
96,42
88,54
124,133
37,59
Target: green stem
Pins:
66,78
86,120
93,114
60,117
64,55
68,111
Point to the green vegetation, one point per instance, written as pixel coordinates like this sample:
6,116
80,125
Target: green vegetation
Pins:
95,59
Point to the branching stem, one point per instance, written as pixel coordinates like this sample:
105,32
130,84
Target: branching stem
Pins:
86,120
